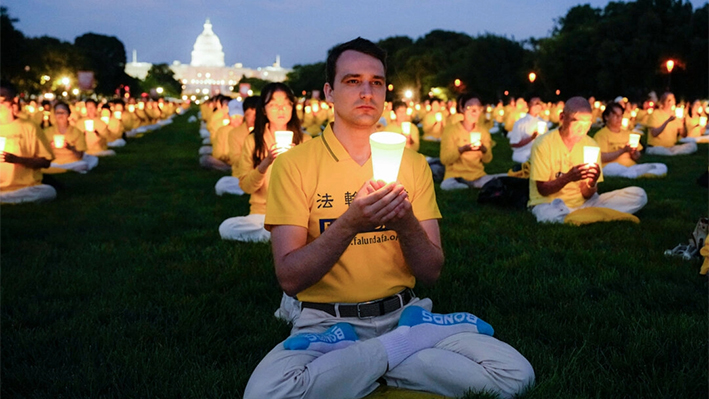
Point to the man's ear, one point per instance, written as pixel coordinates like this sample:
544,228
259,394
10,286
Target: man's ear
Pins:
327,89
561,118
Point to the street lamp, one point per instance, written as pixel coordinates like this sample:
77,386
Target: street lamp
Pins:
159,90
670,65
532,77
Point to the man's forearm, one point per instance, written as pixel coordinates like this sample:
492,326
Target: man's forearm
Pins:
306,265
553,186
423,256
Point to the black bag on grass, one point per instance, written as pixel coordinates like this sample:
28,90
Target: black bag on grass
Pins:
506,192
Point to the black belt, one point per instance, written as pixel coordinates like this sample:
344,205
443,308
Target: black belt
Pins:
375,308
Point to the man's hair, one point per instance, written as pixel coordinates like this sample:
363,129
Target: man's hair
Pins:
92,101
533,96
464,98
360,45
397,104
251,102
576,104
62,104
7,91
664,96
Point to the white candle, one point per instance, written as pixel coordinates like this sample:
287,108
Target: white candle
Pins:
387,149
308,109
59,141
406,128
541,127
590,154
284,139
2,144
649,111
679,112
453,110
624,123
392,115
475,138
634,140
439,117
225,121
488,116
105,119
316,108
89,125
119,114
131,108
702,121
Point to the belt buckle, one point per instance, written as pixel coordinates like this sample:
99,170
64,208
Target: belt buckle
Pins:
359,309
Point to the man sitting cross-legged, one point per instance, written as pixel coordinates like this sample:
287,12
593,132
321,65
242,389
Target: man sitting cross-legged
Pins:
351,249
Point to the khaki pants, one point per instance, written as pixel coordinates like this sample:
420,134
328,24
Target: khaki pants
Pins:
456,364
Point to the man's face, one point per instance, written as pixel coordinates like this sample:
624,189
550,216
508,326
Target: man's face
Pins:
535,106
615,119
400,113
669,102
358,90
5,107
91,110
576,125
472,109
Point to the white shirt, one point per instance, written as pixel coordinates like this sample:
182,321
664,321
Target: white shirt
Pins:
524,127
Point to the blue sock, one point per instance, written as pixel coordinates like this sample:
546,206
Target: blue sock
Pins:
420,329
339,336
416,315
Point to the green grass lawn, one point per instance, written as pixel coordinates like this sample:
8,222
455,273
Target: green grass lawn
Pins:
122,287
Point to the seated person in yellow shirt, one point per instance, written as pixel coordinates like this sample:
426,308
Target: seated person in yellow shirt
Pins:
695,122
275,112
95,131
24,151
560,179
219,158
465,160
352,249
237,135
664,128
402,124
114,127
68,143
434,122
618,157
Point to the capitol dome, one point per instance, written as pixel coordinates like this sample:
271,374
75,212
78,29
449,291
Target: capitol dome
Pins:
207,48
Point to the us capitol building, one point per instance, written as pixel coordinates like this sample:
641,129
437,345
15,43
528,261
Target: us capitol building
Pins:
207,74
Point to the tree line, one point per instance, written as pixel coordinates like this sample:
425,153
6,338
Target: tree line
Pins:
619,50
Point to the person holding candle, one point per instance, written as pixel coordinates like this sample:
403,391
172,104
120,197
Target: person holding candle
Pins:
562,181
95,131
230,184
275,112
464,159
525,130
434,122
664,128
68,143
352,249
114,127
219,158
24,151
618,154
402,124
695,123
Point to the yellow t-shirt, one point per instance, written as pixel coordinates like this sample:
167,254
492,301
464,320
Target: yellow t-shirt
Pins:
250,179
692,127
313,184
72,136
115,129
413,138
236,142
469,165
550,158
94,142
431,127
23,139
668,137
610,142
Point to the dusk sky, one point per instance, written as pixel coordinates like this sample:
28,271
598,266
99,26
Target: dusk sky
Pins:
301,32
